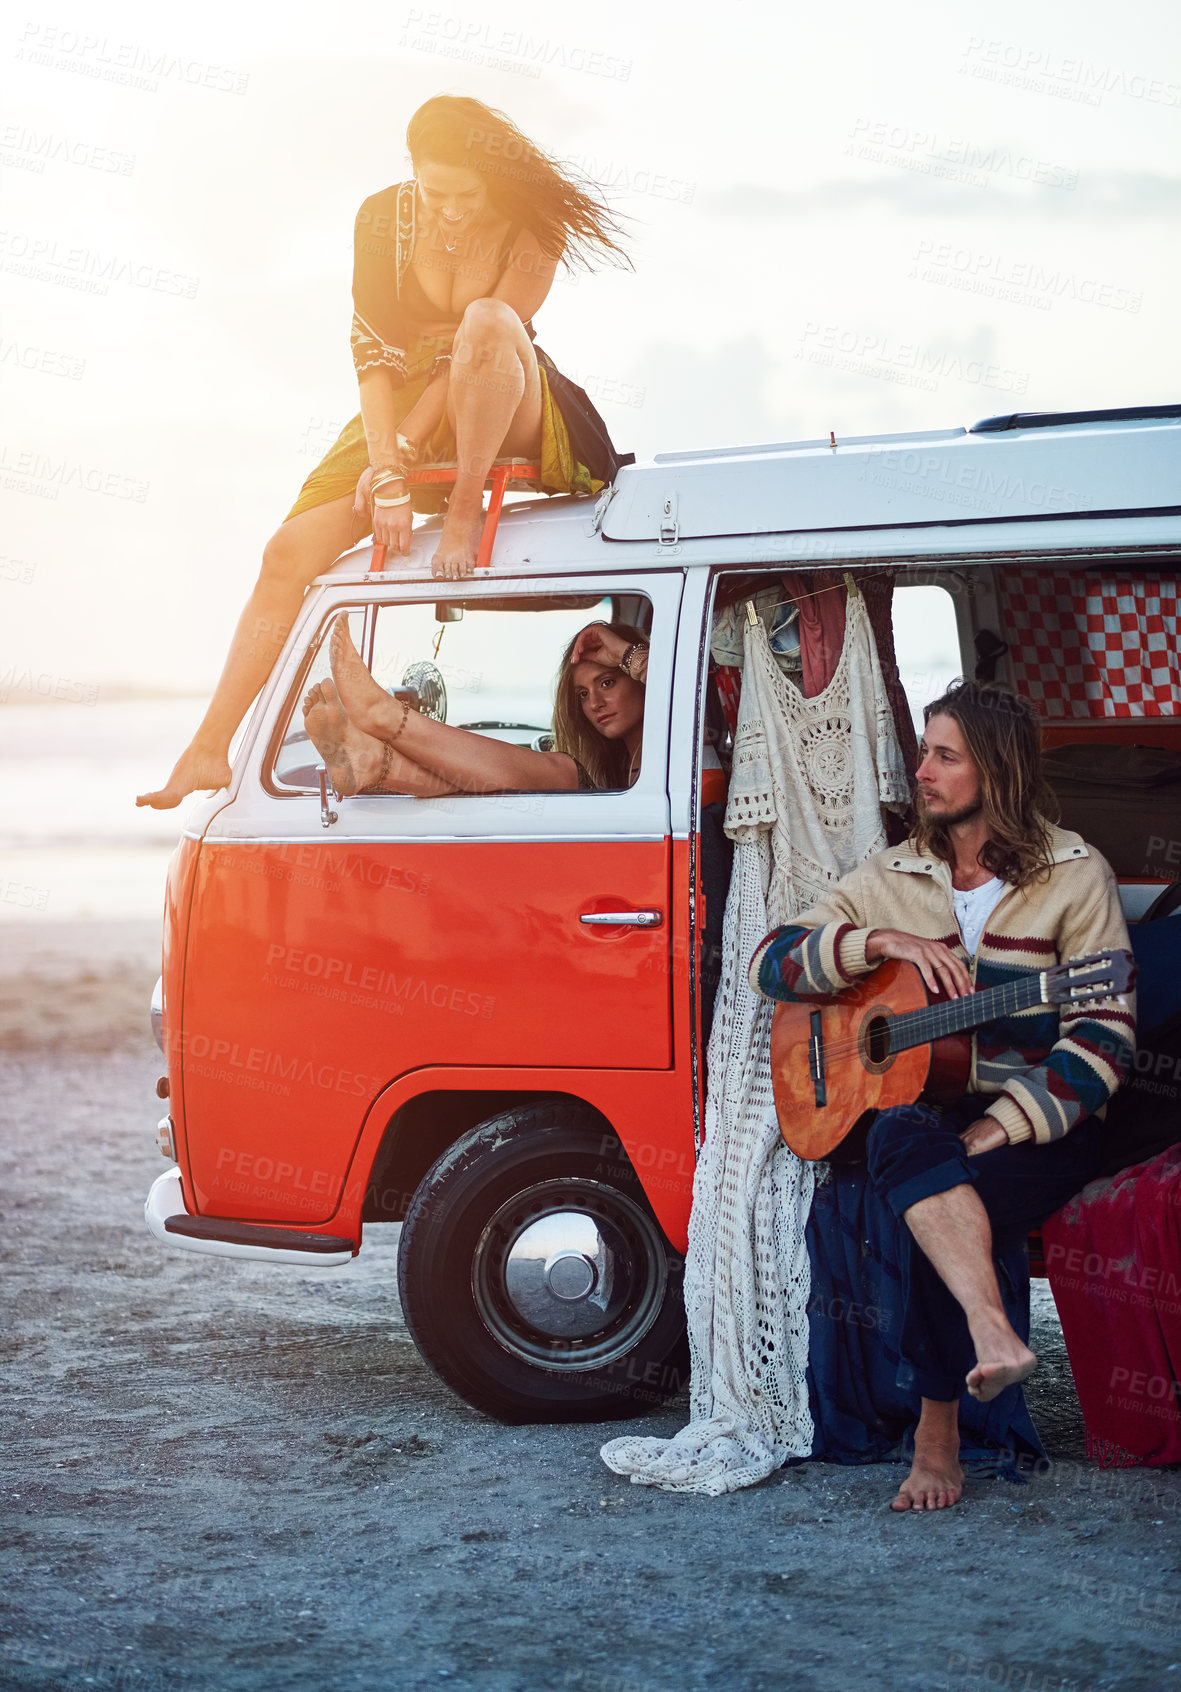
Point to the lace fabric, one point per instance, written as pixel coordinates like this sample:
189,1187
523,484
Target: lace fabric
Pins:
807,785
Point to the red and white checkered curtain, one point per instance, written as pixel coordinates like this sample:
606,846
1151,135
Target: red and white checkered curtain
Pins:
1093,646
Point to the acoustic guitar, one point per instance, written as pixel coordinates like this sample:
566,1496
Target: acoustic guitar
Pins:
888,1041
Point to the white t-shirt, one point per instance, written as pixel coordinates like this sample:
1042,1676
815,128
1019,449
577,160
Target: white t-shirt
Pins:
973,909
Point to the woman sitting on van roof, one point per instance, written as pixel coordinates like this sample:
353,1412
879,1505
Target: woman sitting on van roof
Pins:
374,743
449,269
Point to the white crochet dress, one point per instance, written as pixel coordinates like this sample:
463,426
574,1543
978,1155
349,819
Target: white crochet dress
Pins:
808,780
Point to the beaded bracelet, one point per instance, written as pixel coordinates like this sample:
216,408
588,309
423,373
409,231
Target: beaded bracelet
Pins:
625,663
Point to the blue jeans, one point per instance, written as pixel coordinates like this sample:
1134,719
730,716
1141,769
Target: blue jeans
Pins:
915,1151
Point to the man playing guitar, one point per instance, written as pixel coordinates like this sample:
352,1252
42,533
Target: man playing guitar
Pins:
985,893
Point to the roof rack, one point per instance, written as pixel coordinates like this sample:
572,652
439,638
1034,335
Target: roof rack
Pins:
1054,419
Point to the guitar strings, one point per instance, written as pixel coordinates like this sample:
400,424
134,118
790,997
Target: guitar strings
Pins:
926,1026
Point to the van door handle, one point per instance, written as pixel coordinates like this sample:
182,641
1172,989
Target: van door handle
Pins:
327,815
624,919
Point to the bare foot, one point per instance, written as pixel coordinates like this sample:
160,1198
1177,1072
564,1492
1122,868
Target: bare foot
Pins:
368,706
935,1481
195,771
986,1380
1001,1359
459,544
353,758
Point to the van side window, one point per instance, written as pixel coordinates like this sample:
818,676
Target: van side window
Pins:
486,665
926,645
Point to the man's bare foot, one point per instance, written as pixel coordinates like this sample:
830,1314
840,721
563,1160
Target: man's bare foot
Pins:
1001,1359
195,771
368,706
935,1481
988,1379
353,758
459,544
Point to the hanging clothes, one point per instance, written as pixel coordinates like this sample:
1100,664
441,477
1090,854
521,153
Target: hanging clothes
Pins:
807,785
819,600
816,771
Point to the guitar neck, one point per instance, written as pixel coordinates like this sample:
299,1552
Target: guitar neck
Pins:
958,1016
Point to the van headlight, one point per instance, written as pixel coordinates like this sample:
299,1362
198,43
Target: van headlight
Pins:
157,1011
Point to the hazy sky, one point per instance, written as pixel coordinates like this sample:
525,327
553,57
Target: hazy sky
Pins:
854,217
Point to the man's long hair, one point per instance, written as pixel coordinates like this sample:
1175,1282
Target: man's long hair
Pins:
1004,742
524,184
606,762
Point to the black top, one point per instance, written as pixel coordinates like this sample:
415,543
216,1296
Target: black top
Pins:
389,302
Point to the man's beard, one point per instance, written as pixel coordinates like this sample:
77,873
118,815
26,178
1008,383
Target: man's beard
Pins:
950,818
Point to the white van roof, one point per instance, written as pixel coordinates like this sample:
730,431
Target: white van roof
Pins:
996,484
1018,467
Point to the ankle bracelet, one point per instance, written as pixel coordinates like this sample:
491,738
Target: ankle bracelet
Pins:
386,758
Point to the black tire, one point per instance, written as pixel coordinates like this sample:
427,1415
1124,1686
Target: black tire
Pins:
547,1178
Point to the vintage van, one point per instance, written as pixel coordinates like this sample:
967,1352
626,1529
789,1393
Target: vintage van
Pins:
481,1015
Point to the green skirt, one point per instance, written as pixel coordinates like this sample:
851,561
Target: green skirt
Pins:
339,471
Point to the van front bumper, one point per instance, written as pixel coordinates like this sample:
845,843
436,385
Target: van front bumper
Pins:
170,1221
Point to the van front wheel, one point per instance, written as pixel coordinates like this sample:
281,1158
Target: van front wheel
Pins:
534,1277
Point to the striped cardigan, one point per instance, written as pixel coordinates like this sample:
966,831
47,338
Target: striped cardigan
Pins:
1046,1068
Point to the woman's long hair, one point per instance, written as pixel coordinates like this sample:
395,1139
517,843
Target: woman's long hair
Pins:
524,184
1003,739
606,762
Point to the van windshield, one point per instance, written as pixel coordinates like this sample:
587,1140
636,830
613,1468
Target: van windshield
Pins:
491,670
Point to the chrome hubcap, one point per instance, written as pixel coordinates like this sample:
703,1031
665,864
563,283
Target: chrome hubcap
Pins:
570,1274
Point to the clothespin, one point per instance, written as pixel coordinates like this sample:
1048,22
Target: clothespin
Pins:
851,587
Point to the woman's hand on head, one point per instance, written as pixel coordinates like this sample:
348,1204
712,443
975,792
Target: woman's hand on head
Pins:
597,644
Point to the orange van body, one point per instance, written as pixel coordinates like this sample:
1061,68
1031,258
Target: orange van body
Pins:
482,1016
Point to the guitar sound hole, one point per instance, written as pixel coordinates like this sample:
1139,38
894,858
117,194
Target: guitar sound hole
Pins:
877,1040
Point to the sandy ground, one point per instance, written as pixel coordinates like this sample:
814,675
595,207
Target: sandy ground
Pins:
236,1476
77,987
